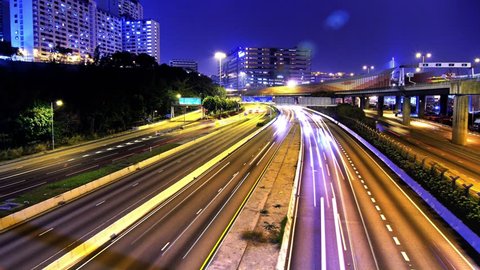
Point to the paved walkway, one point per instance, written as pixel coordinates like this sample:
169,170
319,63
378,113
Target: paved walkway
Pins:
268,203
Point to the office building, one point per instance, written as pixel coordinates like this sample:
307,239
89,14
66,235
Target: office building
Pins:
109,33
4,20
142,36
187,65
40,27
255,68
130,9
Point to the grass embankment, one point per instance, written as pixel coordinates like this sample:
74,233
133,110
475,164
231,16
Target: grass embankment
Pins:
53,189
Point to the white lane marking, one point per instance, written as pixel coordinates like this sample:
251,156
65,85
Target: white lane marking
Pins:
98,152
389,228
23,189
361,181
216,215
373,200
72,159
120,146
339,235
200,210
359,177
418,208
11,184
395,239
251,162
45,232
383,217
323,242
91,167
135,147
129,143
134,185
324,156
377,207
404,254
110,149
63,169
365,186
164,247
100,203
87,155
328,171
268,150
29,171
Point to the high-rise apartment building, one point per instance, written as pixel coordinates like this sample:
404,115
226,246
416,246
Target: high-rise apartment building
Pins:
187,65
4,20
40,27
109,33
254,68
142,36
130,9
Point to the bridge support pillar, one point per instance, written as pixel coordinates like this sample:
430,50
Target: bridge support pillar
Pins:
407,107
421,106
444,105
398,103
363,102
380,103
460,120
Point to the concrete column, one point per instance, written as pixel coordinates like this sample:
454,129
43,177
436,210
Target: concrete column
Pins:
380,103
421,106
460,120
398,102
443,105
406,111
362,102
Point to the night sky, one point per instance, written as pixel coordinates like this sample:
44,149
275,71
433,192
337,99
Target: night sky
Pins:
344,35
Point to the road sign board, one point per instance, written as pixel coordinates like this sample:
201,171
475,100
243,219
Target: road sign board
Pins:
190,101
445,65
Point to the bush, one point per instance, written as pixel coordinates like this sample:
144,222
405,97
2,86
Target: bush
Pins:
254,236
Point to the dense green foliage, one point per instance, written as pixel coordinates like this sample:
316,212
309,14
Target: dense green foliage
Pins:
217,104
99,99
455,198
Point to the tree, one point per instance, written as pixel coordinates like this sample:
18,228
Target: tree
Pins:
34,124
144,60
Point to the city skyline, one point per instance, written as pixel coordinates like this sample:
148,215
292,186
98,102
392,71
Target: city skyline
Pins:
196,30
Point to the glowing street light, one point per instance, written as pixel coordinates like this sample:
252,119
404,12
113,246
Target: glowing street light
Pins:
292,83
220,56
476,61
419,55
58,103
368,68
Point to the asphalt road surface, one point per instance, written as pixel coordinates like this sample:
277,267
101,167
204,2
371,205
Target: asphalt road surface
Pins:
180,234
23,175
38,242
400,231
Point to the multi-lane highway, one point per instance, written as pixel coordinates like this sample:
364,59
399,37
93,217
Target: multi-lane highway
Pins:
432,141
21,176
377,223
180,234
38,242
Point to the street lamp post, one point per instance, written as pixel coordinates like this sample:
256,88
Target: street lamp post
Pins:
58,103
368,68
220,56
476,62
419,55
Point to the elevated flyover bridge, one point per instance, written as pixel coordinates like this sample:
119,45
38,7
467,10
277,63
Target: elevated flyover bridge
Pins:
390,82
